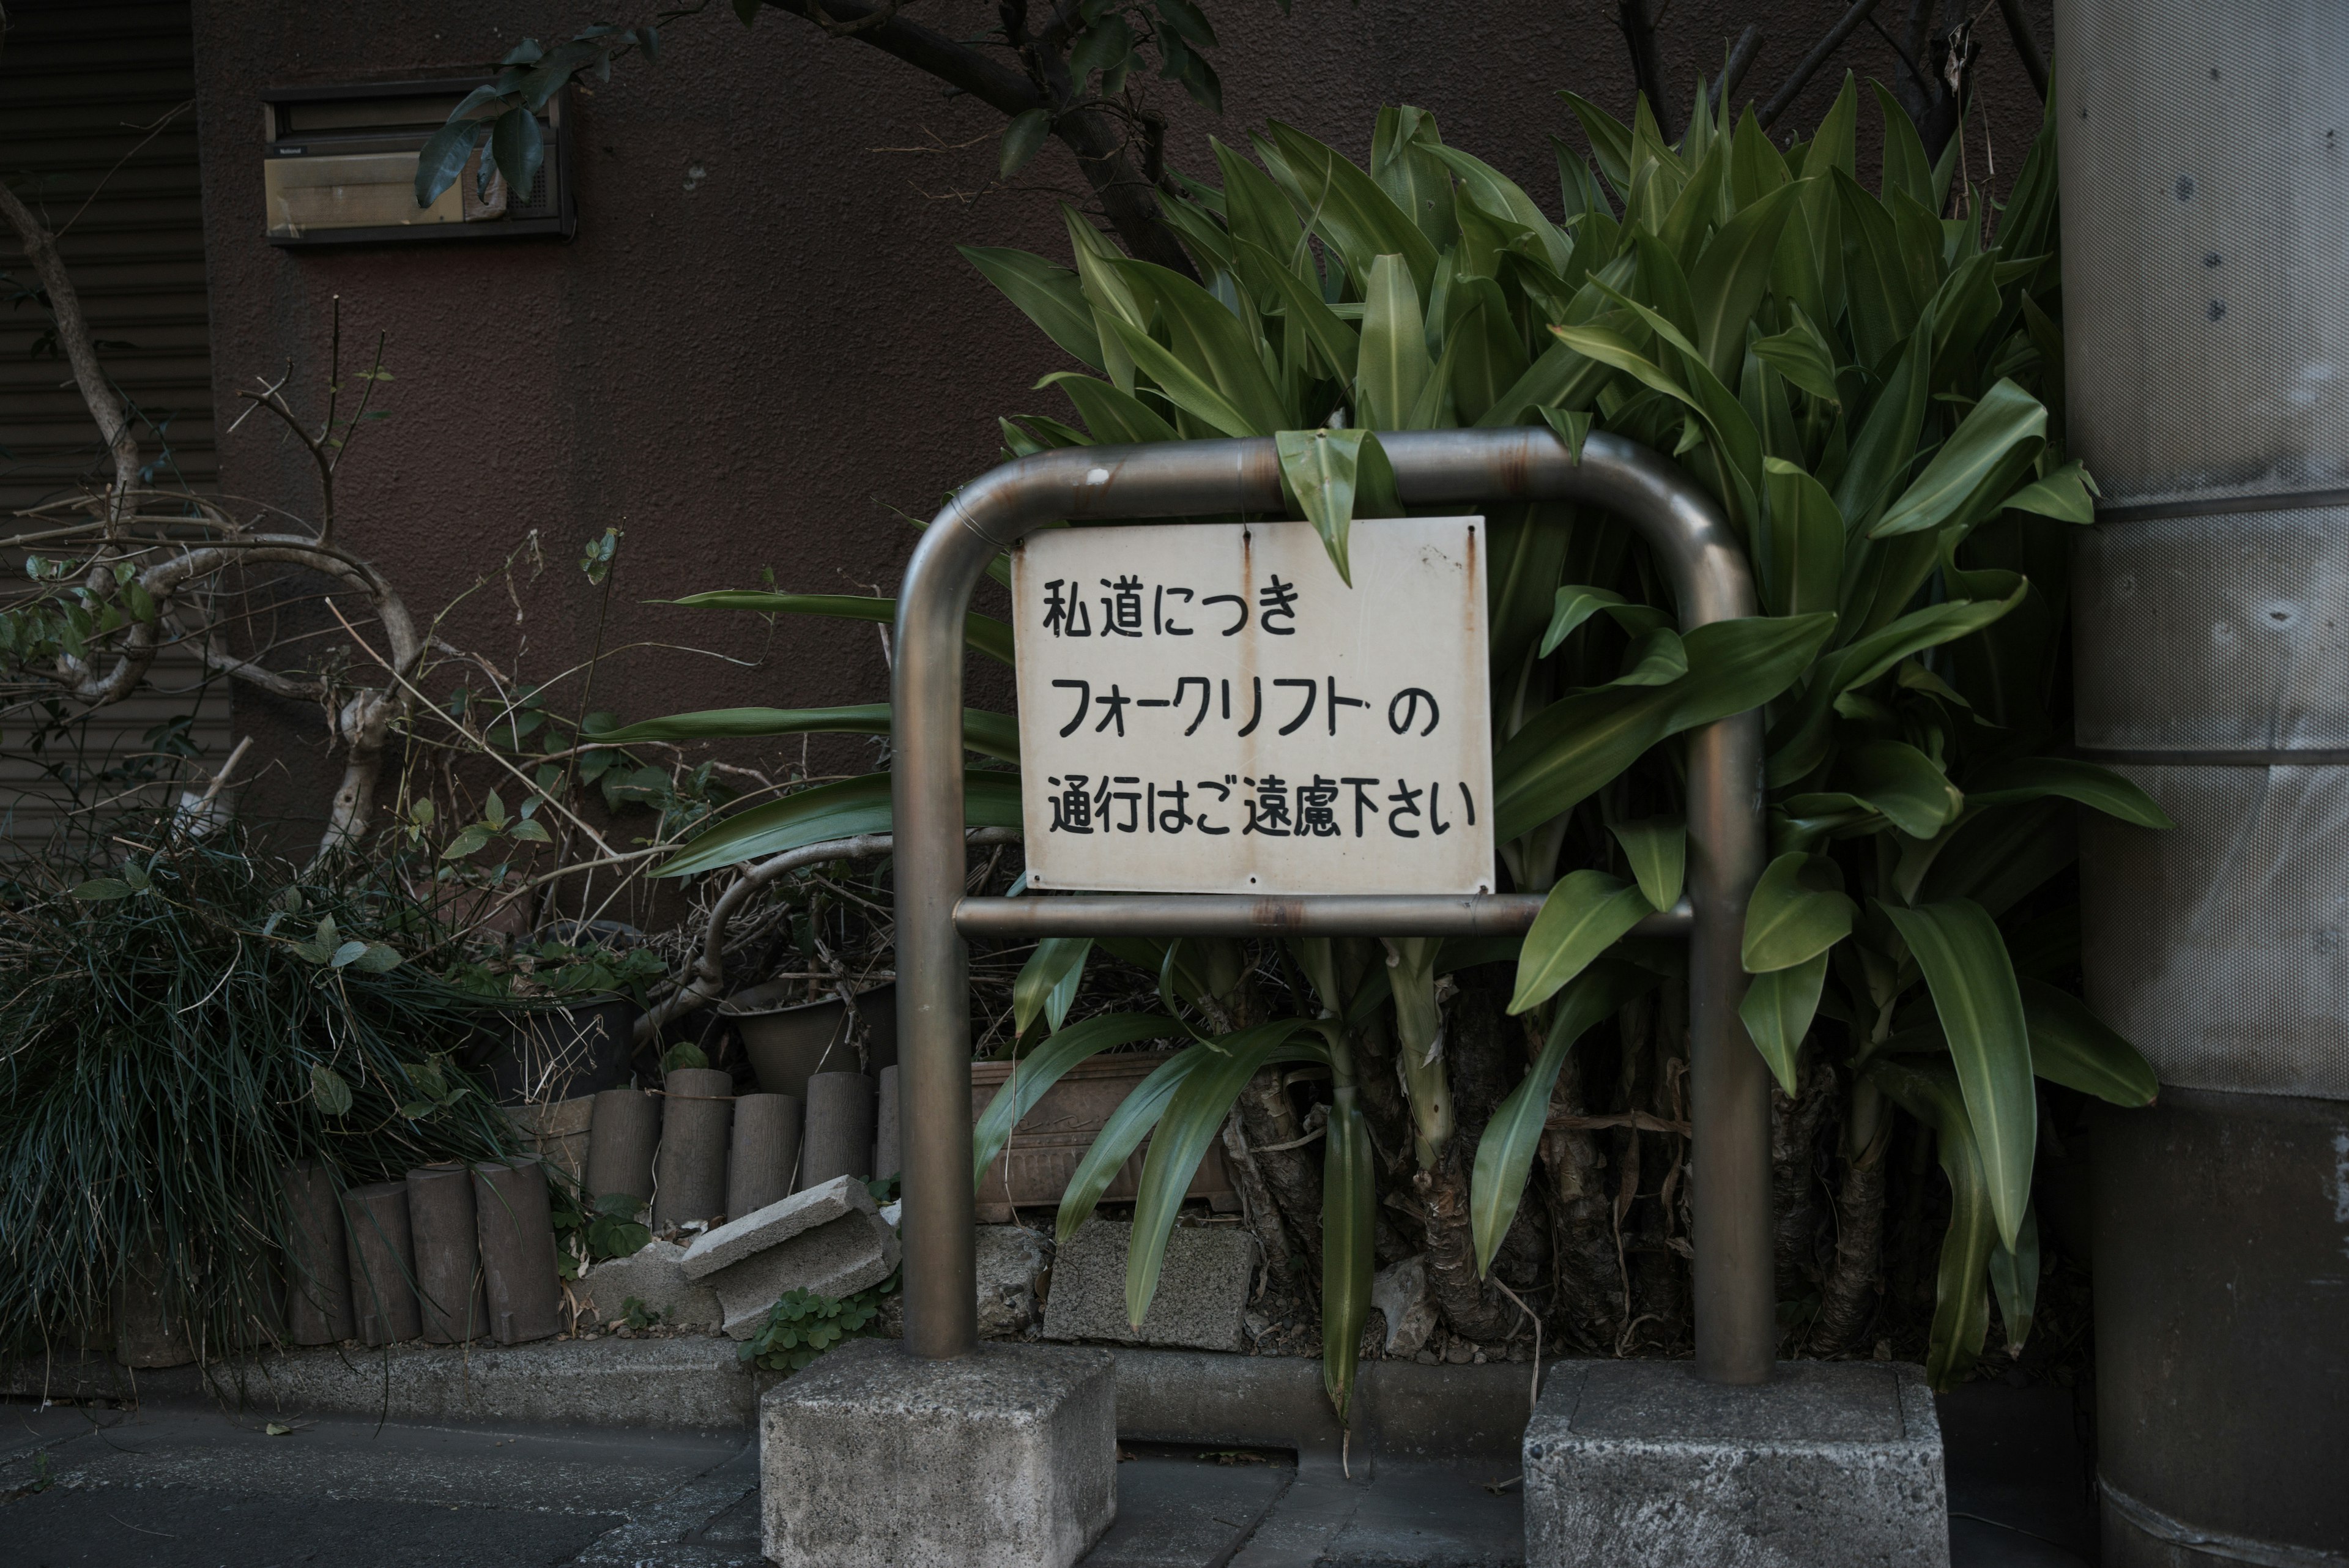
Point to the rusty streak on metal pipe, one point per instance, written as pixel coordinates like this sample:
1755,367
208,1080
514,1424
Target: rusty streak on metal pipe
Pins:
1251,915
1735,1327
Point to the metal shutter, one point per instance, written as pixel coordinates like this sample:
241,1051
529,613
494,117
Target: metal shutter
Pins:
82,87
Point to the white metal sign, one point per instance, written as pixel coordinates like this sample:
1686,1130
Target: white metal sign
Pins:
1208,708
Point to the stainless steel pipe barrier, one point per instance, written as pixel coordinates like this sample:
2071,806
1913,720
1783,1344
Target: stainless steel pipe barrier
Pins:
1736,1332
1253,915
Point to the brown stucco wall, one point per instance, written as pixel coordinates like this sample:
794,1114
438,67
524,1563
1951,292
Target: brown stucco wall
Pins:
766,366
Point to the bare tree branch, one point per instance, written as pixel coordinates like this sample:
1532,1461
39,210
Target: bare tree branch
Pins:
2018,28
73,335
1821,52
710,968
1101,143
1646,70
1732,72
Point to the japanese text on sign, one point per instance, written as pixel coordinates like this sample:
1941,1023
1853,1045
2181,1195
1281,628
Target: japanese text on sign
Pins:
1209,708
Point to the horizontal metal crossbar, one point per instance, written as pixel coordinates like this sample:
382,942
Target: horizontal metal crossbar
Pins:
1248,914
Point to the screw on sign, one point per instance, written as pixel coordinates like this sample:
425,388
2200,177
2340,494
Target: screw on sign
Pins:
1210,707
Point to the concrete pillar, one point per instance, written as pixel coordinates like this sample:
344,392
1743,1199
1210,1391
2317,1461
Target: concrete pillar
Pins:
382,1254
766,1150
450,1304
317,1274
839,1136
2207,360
623,1130
517,1238
696,1112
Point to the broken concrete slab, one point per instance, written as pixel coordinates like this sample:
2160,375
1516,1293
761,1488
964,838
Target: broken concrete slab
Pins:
1003,1458
1011,1260
776,1223
1828,1465
837,1258
1203,1288
654,1277
1400,1293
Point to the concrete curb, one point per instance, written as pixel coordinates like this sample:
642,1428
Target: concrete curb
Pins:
1403,1410
695,1384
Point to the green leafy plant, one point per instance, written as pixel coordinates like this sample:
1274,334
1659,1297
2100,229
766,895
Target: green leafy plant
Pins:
168,1048
803,1324
1870,388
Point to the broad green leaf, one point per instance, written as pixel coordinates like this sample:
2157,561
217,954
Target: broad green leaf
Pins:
1393,366
1732,274
329,1090
1347,207
1973,983
1565,752
2035,778
1048,296
1808,733
1403,142
346,954
1505,1152
985,633
446,152
990,734
1802,355
1193,1117
2072,1046
1886,447
1883,300
1571,429
1324,468
1906,167
469,841
1835,144
1350,1198
1113,415
2014,1279
1576,603
1655,657
841,810
1656,848
1207,337
1183,387
1777,1011
1498,194
1584,915
1610,141
1022,140
1800,548
1057,961
1259,216
1904,783
1797,911
2004,419
1490,357
379,958
1339,345
101,890
2064,495
1962,1296
1047,1064
1120,1135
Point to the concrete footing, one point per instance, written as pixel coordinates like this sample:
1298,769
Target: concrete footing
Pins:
1003,1458
1829,1465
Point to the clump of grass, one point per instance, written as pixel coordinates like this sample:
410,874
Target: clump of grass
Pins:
175,1032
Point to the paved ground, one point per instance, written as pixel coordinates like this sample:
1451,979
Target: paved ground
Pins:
189,1487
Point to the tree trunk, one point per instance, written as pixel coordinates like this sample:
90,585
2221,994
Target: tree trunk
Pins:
1847,1299
1794,1127
1586,1310
1263,1218
1474,1309
1293,1175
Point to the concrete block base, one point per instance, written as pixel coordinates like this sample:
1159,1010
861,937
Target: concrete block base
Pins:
1830,1465
876,1459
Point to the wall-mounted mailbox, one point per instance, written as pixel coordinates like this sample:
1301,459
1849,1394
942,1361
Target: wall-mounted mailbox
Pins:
340,169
